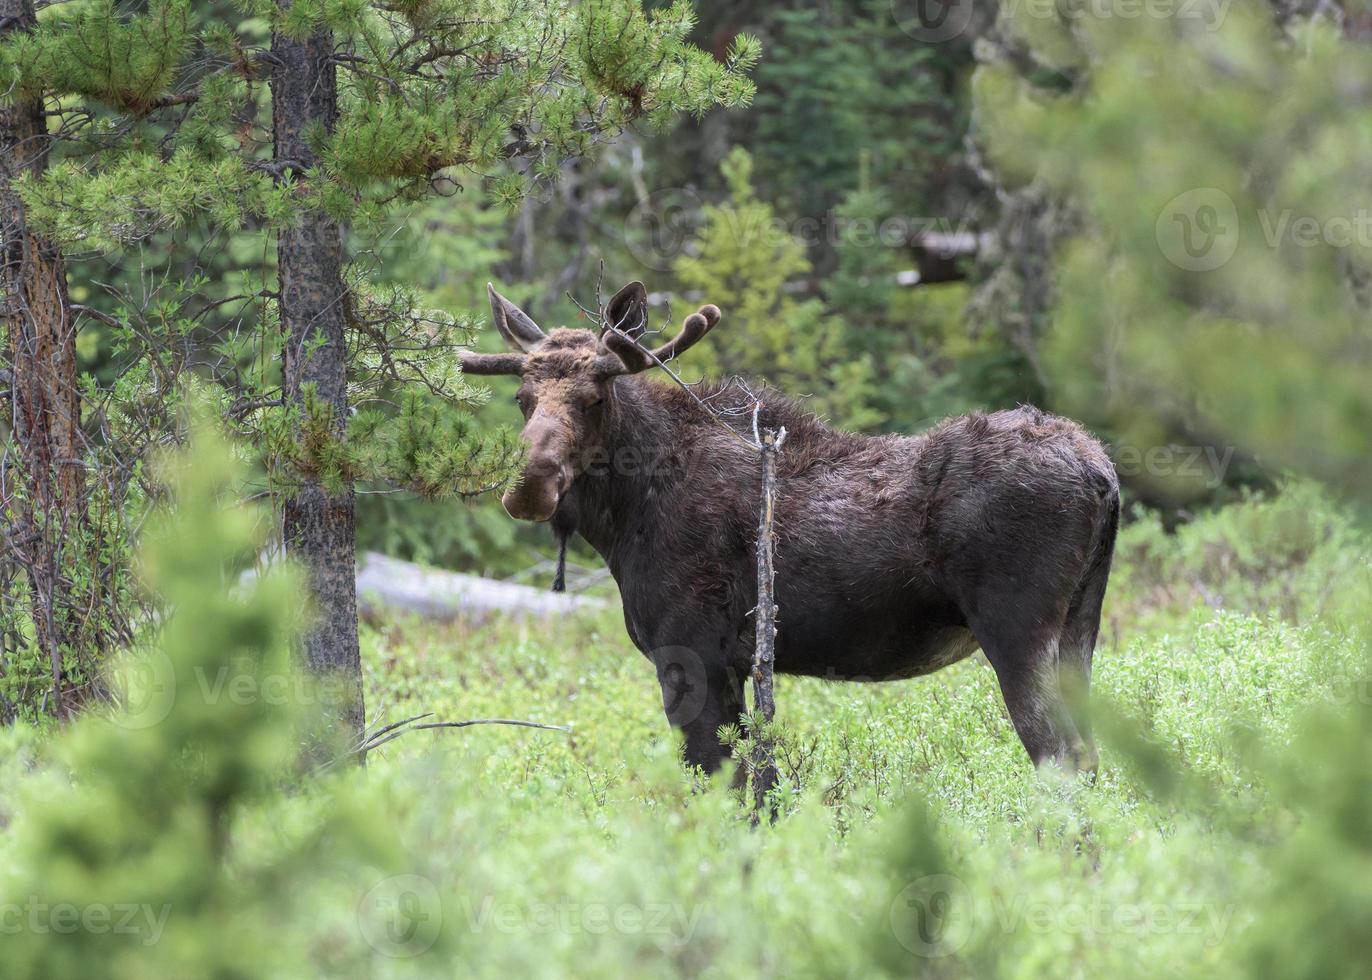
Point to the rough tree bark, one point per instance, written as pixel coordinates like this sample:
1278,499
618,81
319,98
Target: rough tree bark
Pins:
318,525
45,405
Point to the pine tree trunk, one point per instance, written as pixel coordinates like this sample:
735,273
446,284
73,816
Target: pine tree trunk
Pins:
319,525
45,404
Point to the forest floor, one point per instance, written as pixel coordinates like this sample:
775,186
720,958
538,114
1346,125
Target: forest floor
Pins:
1225,833
916,837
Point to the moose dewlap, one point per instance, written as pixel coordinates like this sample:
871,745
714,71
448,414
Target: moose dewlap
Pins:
895,555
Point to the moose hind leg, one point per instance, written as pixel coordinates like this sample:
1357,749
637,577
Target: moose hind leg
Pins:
1026,666
1077,646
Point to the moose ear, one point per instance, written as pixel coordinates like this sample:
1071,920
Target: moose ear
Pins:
628,310
513,323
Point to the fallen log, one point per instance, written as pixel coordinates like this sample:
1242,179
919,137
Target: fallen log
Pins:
387,586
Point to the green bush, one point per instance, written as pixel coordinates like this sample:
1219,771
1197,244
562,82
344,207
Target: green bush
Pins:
125,858
1226,833
1296,554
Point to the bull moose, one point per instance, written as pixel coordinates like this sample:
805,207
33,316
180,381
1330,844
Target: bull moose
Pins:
895,555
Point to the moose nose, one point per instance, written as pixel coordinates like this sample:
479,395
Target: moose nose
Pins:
539,490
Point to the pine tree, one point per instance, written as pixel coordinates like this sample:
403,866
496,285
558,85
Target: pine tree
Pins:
166,781
743,260
42,503
1215,280
166,116
313,299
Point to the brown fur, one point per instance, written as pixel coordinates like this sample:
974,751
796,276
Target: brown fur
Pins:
895,555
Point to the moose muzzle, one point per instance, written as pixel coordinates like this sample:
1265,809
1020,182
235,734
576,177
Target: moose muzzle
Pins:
546,476
536,495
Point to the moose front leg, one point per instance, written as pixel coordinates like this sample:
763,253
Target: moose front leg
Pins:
699,698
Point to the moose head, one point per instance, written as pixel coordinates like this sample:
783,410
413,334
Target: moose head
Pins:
568,381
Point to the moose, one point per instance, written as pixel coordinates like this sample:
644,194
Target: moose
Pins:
895,555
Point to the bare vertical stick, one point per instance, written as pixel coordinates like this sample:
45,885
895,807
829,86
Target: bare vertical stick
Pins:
768,443
764,752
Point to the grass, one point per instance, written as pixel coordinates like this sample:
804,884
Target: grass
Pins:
1028,873
1052,873
915,838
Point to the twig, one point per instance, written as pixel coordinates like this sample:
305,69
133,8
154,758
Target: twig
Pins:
614,328
764,646
374,743
394,725
397,728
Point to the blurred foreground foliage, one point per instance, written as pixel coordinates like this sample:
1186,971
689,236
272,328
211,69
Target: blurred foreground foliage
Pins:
1226,834
130,858
1219,277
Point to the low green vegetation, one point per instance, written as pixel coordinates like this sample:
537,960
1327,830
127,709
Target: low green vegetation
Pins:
914,837
1154,222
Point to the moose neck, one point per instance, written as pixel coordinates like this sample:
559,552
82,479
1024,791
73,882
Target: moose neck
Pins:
613,503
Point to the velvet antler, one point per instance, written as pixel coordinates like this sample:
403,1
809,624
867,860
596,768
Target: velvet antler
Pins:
634,357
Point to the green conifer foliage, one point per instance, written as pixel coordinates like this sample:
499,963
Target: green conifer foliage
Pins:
99,52
178,122
1221,274
139,844
167,114
742,261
